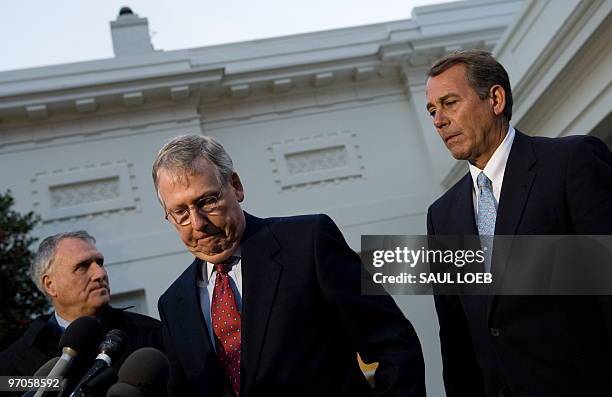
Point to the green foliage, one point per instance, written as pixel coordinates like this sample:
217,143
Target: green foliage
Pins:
20,300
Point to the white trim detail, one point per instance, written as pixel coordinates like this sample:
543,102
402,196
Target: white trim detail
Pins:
85,192
317,160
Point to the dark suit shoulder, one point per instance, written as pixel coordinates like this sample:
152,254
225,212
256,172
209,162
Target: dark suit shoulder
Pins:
451,195
563,148
31,350
565,141
10,354
553,151
140,320
298,221
286,229
187,276
142,331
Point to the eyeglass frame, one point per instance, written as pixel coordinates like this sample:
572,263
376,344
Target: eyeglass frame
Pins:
169,215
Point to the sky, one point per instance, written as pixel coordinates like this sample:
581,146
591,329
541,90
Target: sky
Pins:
48,32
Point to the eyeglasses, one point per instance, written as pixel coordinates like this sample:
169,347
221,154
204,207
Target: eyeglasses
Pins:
205,205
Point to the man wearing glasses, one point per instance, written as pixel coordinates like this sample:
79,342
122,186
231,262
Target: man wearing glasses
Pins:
269,306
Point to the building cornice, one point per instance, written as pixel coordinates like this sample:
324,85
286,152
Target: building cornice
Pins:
239,69
575,23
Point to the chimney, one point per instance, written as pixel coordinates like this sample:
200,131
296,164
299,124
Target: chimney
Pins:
130,34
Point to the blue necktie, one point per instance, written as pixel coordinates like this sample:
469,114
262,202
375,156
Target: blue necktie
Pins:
487,213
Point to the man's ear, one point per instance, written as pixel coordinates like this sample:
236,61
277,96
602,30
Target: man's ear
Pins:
48,285
498,99
237,185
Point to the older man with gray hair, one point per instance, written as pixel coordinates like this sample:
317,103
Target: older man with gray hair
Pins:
69,270
269,307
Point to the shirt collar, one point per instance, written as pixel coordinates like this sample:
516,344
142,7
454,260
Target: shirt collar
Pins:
61,322
207,268
496,165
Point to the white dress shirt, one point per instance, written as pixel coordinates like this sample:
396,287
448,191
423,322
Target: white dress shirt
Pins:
206,286
494,170
62,323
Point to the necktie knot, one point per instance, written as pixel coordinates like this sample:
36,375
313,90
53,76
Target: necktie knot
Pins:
483,181
226,266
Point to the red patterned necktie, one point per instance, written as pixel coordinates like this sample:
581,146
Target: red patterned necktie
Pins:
226,324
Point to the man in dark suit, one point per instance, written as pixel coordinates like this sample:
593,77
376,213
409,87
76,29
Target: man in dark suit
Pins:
69,269
269,306
517,185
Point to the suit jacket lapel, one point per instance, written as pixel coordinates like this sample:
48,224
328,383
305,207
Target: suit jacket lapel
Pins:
261,275
198,343
518,179
462,214
465,217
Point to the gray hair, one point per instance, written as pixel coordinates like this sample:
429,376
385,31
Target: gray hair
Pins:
179,156
482,72
45,255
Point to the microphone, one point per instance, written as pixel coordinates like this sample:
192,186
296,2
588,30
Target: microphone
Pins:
76,339
143,374
98,385
124,390
111,348
46,367
42,371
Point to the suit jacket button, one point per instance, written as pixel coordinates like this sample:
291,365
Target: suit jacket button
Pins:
494,332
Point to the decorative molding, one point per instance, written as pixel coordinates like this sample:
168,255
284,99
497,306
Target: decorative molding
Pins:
414,78
83,191
364,73
37,112
323,79
540,47
86,105
317,159
133,98
178,93
361,50
239,90
281,86
147,119
305,101
80,193
62,95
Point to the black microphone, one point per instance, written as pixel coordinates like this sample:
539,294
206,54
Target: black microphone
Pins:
98,385
80,337
143,374
111,348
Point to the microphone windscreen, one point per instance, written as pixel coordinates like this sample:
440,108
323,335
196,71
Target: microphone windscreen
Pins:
82,335
46,367
147,368
114,344
124,390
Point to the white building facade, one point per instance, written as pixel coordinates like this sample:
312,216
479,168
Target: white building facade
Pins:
330,122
